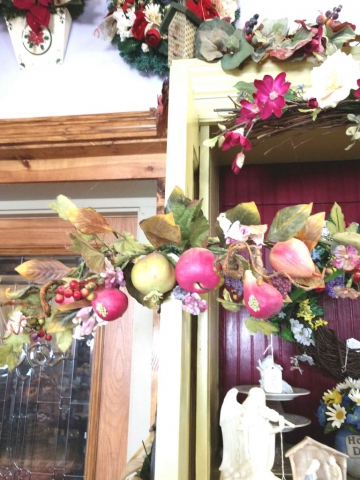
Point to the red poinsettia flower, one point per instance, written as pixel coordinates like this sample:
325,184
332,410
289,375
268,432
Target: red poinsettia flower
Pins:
357,92
36,37
271,94
204,9
38,13
140,23
235,138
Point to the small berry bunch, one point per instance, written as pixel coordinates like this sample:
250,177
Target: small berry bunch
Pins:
249,26
329,16
77,290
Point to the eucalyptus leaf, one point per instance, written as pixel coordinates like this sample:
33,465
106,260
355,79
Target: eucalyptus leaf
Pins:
288,221
348,238
254,325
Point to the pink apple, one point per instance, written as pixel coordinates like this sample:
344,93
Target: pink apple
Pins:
195,272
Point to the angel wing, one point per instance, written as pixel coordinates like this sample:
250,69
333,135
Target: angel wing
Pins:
230,418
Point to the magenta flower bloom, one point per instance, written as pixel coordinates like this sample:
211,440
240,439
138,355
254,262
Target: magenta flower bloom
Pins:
234,138
271,94
357,92
346,257
315,45
249,110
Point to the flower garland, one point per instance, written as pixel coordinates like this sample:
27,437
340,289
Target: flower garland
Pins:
181,260
135,27
38,13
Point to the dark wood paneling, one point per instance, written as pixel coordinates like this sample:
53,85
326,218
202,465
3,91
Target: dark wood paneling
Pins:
273,187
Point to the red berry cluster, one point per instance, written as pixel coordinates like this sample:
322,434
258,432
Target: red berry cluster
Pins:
77,289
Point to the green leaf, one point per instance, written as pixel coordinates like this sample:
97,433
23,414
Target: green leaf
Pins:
353,227
17,341
245,87
64,340
210,39
245,213
287,335
6,354
129,45
16,294
342,36
287,222
254,325
61,205
60,321
348,238
211,142
184,216
231,61
177,196
336,222
198,232
228,303
128,245
94,259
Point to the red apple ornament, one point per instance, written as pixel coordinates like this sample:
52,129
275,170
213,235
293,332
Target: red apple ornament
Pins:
195,272
110,303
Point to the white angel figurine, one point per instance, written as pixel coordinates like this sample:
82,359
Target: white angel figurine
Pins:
248,436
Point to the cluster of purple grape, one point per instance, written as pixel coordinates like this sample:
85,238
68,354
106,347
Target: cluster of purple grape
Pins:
234,283
329,16
250,24
282,284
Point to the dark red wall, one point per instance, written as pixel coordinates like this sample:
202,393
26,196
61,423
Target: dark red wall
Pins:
273,187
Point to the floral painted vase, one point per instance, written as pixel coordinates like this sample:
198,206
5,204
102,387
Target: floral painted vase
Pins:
349,443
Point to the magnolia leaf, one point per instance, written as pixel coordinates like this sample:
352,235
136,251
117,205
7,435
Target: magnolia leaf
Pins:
336,222
245,87
288,221
199,232
64,340
348,238
62,205
88,221
245,213
76,305
254,325
312,231
161,229
42,270
60,321
177,196
128,245
211,142
94,259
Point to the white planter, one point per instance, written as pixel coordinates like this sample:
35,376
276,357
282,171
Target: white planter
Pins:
46,49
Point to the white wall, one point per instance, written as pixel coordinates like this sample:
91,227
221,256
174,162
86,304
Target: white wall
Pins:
94,79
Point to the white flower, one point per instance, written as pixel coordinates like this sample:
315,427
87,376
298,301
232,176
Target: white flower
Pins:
281,315
152,14
144,47
306,358
354,395
296,326
333,80
301,333
336,414
16,322
124,22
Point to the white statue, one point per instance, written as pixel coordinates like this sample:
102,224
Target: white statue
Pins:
248,436
310,473
332,469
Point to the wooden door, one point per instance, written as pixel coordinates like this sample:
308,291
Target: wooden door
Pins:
273,187
107,438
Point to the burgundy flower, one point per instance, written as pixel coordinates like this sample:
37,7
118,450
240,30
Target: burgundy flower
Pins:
313,103
357,92
271,94
36,37
153,38
315,45
234,138
140,23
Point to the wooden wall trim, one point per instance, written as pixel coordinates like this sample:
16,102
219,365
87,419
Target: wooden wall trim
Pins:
82,147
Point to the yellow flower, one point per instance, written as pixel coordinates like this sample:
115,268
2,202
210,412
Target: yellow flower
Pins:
332,396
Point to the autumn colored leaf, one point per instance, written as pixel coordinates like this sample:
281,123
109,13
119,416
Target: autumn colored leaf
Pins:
62,205
312,231
312,282
76,305
42,270
161,229
336,222
61,321
94,259
64,340
254,325
348,238
288,221
88,221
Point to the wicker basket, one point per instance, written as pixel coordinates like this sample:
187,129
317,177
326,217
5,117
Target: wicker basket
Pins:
329,353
